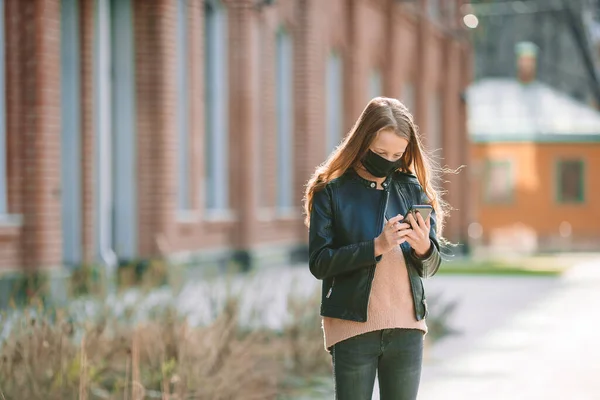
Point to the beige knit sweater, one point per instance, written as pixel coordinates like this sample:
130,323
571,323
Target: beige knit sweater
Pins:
390,304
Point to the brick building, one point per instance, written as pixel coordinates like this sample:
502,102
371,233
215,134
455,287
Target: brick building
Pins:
136,128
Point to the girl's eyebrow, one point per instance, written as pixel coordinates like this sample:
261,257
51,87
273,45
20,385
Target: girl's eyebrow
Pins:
383,150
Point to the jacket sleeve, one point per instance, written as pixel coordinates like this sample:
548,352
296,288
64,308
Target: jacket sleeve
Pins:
428,265
325,261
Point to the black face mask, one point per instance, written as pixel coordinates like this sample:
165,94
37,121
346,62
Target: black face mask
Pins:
379,166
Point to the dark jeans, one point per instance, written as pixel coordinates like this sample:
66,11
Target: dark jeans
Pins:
396,355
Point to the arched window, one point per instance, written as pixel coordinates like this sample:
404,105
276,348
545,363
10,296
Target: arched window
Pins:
216,109
285,119
335,101
184,199
375,87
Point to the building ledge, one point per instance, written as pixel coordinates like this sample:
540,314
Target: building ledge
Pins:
10,224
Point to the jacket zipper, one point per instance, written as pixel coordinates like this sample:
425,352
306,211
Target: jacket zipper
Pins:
331,288
404,200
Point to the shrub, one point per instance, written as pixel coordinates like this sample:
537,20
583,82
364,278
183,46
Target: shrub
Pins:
50,357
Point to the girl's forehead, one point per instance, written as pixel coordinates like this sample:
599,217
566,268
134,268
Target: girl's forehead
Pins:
387,139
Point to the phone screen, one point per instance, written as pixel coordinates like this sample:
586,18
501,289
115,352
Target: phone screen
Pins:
424,210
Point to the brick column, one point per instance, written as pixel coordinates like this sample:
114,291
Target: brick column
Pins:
421,85
243,28
10,243
195,31
353,89
40,128
392,65
310,98
155,47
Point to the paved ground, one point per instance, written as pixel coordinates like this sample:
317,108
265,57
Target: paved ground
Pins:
548,349
520,338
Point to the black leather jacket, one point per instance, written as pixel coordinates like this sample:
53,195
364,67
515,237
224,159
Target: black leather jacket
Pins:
346,217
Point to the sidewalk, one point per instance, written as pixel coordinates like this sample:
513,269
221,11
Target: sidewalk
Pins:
547,350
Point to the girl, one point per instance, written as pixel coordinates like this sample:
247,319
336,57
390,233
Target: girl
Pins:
371,260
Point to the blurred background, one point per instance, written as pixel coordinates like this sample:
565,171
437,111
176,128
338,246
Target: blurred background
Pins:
153,157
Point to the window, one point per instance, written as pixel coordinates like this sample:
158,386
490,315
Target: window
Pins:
335,101
375,89
408,97
433,9
285,123
183,152
70,138
216,157
570,176
498,182
450,12
435,126
3,147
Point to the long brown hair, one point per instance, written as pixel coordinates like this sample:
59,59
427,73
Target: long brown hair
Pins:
381,113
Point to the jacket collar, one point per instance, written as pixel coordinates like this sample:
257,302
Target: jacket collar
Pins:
400,177
367,182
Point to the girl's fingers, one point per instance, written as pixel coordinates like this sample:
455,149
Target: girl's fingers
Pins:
399,227
413,235
395,219
421,225
414,222
404,232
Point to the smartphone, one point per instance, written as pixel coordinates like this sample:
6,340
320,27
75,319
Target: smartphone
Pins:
423,209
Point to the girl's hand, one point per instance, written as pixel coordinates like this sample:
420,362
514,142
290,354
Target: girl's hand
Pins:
418,238
394,233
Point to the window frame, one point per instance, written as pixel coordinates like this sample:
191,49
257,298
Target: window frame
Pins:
184,198
408,96
334,100
489,164
558,195
284,100
216,188
375,88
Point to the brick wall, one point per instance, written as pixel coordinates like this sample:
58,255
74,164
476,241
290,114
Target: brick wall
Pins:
155,58
33,133
10,237
397,39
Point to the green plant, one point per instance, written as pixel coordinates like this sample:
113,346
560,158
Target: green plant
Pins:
48,356
147,273
31,286
88,279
